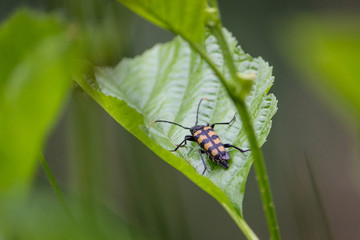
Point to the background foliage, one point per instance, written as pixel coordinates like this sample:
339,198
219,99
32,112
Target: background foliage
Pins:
100,166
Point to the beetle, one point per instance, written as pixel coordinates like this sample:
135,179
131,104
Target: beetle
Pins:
207,139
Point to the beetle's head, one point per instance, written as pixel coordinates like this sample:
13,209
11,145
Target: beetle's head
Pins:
224,163
224,160
195,128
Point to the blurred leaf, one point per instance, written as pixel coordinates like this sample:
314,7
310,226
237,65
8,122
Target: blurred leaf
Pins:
38,56
167,82
327,49
41,218
102,24
183,17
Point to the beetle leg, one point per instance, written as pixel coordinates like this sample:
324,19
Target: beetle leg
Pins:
201,152
227,145
224,123
183,143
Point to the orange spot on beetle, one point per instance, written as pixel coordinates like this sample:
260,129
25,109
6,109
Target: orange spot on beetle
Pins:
201,138
197,132
214,152
211,133
221,149
208,145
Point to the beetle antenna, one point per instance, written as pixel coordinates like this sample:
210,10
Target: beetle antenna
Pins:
197,112
167,122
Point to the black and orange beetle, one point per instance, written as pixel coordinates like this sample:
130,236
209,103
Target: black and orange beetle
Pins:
207,139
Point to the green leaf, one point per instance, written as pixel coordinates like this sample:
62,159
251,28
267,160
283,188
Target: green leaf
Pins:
38,56
326,47
42,218
183,17
167,82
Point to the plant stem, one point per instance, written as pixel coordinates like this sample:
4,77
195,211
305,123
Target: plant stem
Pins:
259,164
55,186
229,61
245,228
260,169
239,220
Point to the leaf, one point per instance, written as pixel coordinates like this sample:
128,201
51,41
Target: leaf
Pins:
167,82
183,17
38,56
42,218
326,48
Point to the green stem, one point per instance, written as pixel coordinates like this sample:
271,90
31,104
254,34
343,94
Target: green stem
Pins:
54,185
207,59
245,228
260,169
259,164
229,61
239,220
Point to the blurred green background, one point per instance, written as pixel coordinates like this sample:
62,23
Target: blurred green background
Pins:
121,190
